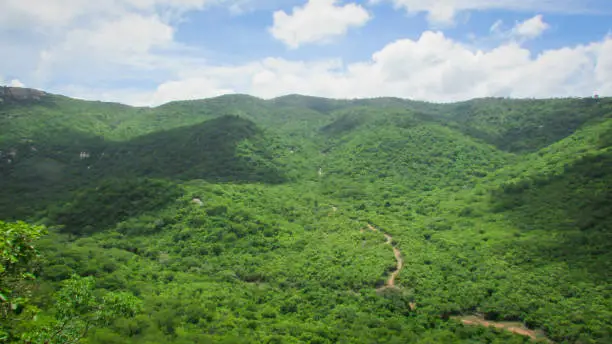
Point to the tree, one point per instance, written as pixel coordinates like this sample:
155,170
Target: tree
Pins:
17,254
78,309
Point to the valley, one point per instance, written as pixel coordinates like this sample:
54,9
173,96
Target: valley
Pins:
310,220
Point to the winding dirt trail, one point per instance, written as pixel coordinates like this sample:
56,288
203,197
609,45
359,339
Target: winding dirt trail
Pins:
470,320
510,326
390,283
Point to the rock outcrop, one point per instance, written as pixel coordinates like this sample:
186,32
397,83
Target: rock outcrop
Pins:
19,94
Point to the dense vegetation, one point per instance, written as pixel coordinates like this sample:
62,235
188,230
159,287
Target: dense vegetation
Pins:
239,220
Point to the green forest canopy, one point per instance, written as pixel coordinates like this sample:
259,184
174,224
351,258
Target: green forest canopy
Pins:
236,219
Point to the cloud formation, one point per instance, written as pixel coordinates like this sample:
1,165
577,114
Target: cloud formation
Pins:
317,21
11,82
443,12
59,14
127,51
433,67
531,28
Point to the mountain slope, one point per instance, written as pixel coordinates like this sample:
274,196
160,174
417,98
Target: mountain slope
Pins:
237,219
525,125
530,242
226,148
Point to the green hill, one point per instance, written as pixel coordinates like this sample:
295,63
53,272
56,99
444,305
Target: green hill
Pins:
241,220
222,149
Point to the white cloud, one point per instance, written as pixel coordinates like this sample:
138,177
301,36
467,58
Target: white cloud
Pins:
434,68
317,21
184,89
530,28
110,57
129,34
64,13
94,41
23,13
49,43
443,12
16,83
521,32
111,49
11,83
603,69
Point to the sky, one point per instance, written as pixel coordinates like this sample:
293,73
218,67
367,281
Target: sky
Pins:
149,52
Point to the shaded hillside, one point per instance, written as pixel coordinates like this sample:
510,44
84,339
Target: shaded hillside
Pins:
45,139
319,104
400,152
511,125
35,174
224,149
576,205
347,121
227,148
91,210
525,125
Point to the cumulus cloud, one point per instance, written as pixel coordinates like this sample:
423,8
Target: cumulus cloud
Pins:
111,40
317,21
437,68
107,50
91,41
129,34
130,55
100,42
433,67
443,12
530,28
522,31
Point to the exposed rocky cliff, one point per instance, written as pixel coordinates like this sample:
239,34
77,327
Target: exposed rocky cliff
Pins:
19,94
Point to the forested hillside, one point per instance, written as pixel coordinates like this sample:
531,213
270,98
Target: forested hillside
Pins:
306,220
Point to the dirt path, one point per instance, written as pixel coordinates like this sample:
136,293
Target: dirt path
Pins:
390,283
514,327
471,320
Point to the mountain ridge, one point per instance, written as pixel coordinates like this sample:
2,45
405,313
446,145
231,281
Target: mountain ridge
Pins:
25,91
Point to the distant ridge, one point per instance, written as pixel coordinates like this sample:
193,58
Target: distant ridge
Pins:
317,103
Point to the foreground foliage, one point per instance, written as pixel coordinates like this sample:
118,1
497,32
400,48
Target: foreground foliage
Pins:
17,255
77,310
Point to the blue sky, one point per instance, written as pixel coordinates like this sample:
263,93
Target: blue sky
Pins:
241,37
147,52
